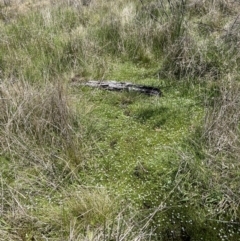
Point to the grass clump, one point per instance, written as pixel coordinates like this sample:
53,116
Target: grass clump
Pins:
34,114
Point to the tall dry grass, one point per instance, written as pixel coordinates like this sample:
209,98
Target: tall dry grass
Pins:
38,114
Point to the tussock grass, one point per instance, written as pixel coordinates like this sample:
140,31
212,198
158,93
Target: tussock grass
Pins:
36,114
221,124
95,206
90,208
221,133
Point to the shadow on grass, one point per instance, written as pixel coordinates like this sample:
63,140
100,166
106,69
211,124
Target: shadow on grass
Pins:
155,116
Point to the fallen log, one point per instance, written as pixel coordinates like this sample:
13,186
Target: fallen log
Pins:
123,86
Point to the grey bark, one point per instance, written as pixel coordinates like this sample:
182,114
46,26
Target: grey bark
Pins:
123,86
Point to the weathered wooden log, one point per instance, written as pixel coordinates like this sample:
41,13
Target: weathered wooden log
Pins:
123,86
